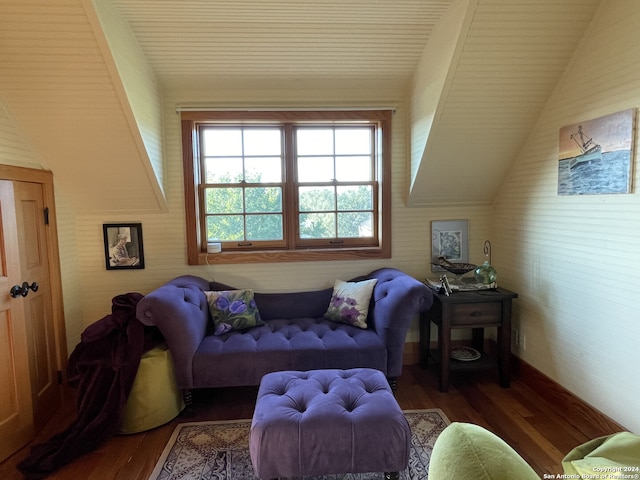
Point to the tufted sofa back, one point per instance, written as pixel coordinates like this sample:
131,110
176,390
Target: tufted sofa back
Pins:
293,305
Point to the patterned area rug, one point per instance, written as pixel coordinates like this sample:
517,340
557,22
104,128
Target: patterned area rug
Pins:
220,450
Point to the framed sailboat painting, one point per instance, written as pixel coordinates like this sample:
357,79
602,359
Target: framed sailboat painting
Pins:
596,156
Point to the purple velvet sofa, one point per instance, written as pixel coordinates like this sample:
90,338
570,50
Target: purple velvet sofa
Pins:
296,336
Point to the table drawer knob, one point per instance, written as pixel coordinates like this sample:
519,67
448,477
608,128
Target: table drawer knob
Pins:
476,314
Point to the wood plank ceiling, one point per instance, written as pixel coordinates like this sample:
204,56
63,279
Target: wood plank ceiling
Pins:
282,38
59,83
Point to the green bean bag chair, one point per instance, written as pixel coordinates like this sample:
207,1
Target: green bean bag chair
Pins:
470,452
154,399
612,456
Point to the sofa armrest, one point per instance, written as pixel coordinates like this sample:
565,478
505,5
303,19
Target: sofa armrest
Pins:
179,309
397,299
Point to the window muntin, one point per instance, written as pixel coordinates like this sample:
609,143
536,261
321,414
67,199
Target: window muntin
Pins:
243,189
287,181
335,184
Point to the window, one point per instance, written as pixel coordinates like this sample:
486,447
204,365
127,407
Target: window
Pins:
287,186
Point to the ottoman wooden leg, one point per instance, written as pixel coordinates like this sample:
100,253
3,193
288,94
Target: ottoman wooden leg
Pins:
391,475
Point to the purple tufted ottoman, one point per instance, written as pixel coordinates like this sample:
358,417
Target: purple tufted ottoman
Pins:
323,422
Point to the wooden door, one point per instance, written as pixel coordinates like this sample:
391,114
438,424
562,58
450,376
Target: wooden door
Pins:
31,335
16,406
34,262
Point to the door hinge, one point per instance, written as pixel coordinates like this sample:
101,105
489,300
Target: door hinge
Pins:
59,374
46,215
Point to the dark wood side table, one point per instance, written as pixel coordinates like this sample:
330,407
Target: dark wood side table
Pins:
475,310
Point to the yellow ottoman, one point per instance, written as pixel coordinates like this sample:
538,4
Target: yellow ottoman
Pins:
154,399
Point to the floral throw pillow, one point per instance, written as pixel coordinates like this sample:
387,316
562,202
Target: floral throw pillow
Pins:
233,310
350,302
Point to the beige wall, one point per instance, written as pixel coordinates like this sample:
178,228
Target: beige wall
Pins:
575,260
14,149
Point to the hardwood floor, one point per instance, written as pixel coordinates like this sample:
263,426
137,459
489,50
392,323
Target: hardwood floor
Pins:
542,426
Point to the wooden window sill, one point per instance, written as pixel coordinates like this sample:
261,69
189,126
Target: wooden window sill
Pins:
278,256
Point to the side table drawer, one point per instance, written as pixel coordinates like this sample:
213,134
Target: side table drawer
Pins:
476,313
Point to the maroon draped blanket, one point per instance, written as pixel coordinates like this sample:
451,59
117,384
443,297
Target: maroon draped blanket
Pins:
102,367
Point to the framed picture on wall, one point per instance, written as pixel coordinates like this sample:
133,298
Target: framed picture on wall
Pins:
123,247
449,239
596,156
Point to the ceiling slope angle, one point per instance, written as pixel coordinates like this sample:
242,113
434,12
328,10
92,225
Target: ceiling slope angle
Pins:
61,85
470,121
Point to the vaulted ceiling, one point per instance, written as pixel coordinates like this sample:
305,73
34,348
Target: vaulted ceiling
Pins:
64,78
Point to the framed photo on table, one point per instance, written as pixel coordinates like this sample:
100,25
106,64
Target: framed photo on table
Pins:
123,248
449,239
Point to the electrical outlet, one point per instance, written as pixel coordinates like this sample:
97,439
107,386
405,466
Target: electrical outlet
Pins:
518,340
522,342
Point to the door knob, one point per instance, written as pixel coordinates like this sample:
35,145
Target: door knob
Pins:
23,290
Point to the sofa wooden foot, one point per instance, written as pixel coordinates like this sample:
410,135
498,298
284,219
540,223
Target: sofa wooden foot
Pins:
391,475
188,397
393,383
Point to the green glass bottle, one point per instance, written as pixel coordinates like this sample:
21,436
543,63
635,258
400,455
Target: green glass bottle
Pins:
485,273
